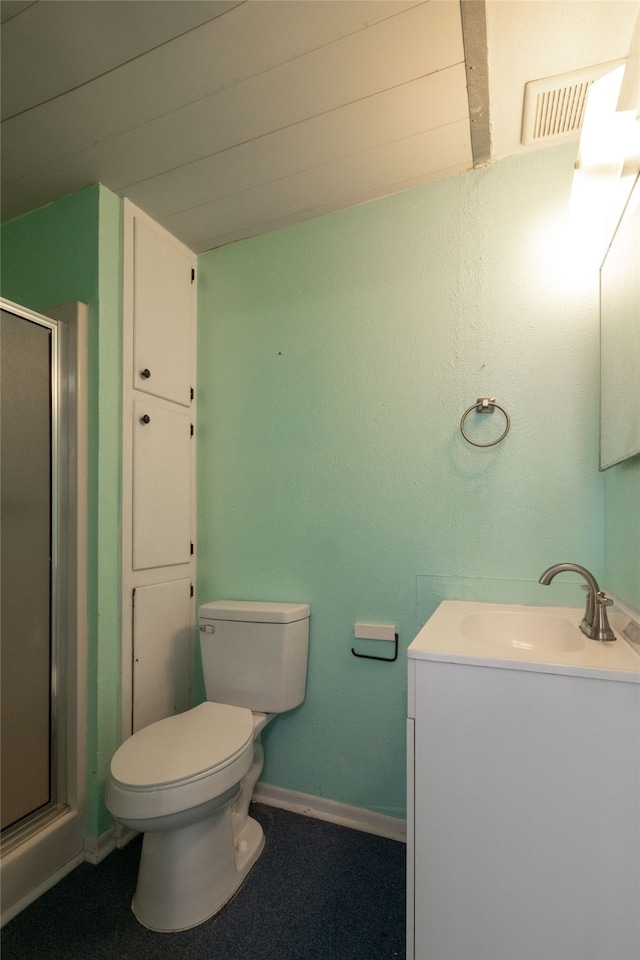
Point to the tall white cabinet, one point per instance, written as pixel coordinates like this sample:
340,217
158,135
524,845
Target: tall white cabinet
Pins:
158,472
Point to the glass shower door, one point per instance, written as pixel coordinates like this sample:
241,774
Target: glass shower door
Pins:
44,486
28,483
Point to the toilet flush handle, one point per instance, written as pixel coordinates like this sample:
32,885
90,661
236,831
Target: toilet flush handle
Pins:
207,628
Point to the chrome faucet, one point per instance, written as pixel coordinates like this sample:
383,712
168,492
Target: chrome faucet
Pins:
595,623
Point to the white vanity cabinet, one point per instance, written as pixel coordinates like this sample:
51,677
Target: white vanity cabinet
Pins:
524,797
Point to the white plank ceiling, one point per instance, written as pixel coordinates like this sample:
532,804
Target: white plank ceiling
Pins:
224,119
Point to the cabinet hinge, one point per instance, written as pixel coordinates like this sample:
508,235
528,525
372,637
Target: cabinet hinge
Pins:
192,392
191,428
193,275
191,548
191,594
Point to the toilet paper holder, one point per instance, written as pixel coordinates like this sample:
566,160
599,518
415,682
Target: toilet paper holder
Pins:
369,656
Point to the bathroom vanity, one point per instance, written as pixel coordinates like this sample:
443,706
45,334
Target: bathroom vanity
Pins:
523,788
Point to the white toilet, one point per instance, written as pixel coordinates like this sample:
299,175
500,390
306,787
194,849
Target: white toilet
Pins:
186,781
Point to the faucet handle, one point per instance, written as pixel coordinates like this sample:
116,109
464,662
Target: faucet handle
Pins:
603,630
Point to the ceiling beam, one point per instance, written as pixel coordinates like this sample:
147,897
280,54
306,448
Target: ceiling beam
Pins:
474,34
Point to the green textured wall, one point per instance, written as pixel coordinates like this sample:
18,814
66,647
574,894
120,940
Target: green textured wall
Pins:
335,360
70,250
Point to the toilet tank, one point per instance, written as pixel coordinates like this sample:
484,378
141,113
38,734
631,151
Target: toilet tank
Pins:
255,654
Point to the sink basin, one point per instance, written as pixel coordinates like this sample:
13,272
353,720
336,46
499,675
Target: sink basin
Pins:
512,636
538,632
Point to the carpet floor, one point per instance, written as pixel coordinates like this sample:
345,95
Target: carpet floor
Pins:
318,892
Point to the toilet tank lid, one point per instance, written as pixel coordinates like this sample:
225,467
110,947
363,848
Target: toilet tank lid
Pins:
254,611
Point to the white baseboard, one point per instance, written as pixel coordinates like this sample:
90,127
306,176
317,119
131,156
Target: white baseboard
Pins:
357,818
98,846
124,835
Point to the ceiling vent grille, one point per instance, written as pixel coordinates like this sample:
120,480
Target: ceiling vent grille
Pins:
554,107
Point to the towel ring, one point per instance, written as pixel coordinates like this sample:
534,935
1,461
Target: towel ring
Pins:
485,405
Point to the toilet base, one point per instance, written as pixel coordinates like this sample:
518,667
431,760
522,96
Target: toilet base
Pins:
187,875
249,844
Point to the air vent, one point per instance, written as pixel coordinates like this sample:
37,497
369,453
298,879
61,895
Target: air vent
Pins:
554,107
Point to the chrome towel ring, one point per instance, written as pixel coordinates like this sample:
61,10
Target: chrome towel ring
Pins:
485,405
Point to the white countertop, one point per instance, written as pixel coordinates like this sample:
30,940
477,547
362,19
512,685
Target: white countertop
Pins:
446,637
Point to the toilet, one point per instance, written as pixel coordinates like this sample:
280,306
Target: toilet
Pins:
186,782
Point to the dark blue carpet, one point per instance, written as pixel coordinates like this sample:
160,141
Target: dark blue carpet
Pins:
318,892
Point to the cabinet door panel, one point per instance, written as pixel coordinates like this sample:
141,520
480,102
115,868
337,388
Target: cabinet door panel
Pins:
162,641
162,316
161,486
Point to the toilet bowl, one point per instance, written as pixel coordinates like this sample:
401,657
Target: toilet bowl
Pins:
186,783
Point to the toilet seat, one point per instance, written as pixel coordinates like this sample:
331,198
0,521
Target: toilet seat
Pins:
192,744
181,761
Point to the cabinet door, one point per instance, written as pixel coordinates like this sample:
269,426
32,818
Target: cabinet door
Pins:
516,824
162,643
161,485
163,308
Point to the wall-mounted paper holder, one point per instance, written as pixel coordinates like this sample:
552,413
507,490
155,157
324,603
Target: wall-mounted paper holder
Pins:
376,631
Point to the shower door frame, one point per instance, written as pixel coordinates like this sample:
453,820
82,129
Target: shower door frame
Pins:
47,845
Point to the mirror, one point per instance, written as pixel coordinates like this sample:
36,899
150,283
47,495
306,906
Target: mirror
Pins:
620,339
